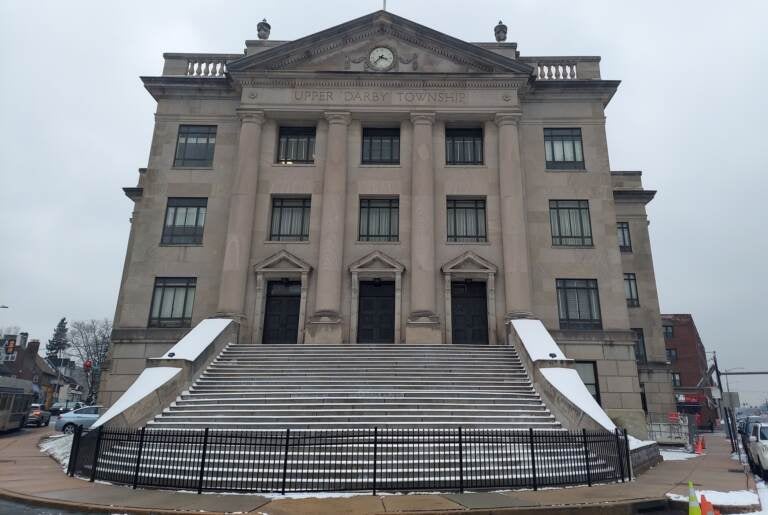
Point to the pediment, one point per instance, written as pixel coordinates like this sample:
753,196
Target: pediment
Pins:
376,261
469,262
282,261
346,47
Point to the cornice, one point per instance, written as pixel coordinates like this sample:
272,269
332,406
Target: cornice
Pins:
360,80
603,89
209,87
633,196
133,193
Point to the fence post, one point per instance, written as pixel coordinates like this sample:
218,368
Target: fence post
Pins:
461,463
138,458
629,455
533,460
74,451
586,456
96,454
285,460
202,462
618,453
375,450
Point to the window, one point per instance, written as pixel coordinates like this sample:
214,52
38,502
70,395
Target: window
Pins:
625,242
184,221
172,302
466,220
296,145
464,146
587,371
630,289
570,224
379,219
676,379
562,148
669,332
763,432
194,146
643,398
640,355
578,303
290,219
381,146
671,355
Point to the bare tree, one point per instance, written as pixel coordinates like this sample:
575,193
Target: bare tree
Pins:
90,341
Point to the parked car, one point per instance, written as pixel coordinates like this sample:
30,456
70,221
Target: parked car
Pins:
38,416
64,407
83,417
757,452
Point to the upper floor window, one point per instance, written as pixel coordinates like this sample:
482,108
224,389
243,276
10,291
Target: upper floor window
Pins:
172,302
381,146
563,148
676,381
570,223
630,289
184,221
464,146
296,145
379,219
290,219
625,242
640,355
671,355
578,303
466,220
669,331
194,146
587,371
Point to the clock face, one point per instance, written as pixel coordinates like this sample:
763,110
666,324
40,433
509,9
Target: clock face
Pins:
381,58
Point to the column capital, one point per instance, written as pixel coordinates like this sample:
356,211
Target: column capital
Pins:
508,117
250,115
338,117
419,118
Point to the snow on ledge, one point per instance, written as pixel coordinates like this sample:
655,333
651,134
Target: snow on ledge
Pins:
198,339
148,381
537,341
568,382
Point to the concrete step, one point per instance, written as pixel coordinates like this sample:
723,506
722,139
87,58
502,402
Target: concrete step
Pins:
281,426
336,406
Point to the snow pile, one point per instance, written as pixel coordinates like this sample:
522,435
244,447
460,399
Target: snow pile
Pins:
537,341
569,383
198,339
634,443
58,447
148,381
734,498
670,455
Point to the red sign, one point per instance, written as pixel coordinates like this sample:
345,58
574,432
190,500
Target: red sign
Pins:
674,417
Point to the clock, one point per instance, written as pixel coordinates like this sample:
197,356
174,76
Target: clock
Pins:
381,58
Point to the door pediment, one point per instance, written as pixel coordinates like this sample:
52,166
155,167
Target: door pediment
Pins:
282,261
469,262
376,261
347,47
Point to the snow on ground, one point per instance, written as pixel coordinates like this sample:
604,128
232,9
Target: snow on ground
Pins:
734,498
58,447
675,455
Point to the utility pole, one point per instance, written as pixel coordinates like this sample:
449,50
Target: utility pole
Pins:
726,411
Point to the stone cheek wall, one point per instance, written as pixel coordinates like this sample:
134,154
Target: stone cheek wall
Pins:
645,458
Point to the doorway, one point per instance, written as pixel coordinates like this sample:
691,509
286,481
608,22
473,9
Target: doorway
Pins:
376,313
281,315
469,313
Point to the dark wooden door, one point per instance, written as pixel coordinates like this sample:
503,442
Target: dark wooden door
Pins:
376,312
469,313
281,315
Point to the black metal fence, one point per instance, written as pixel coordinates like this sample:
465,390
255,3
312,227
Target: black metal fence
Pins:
377,459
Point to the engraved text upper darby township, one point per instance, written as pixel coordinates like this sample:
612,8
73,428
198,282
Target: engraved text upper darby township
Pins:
312,96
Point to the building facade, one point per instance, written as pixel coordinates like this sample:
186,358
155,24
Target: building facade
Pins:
689,368
382,182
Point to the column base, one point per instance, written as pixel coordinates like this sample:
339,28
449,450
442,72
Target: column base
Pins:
423,328
515,315
324,327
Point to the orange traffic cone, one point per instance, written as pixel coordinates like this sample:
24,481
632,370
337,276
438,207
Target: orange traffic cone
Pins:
706,507
697,447
703,443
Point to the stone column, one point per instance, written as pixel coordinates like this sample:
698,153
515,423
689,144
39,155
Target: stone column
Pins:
423,325
325,325
514,230
242,203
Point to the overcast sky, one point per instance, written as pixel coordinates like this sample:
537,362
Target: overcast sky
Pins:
691,112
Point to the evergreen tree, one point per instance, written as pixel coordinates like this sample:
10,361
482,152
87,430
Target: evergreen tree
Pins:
58,343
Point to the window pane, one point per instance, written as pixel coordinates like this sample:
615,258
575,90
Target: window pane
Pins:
296,145
558,146
464,146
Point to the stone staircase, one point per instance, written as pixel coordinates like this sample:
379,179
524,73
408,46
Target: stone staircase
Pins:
358,386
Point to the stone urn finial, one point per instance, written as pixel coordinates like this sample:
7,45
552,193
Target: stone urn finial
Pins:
500,31
263,29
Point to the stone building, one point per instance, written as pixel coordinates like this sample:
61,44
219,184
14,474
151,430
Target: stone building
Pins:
380,181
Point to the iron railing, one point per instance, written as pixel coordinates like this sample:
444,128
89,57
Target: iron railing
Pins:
377,459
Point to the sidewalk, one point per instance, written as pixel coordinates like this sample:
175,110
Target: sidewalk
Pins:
29,476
